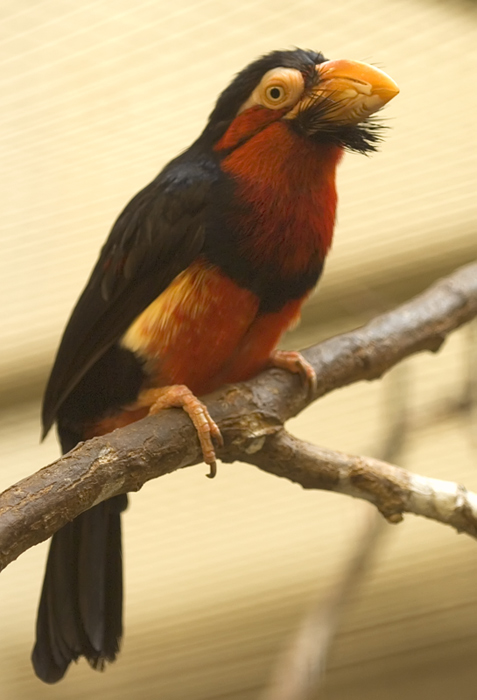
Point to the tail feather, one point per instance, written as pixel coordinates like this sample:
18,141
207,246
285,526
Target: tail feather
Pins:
80,612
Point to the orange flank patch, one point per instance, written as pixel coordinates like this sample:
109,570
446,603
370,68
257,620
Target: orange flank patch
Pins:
203,331
190,331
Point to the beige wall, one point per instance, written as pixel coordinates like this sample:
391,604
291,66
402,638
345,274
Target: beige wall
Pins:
96,97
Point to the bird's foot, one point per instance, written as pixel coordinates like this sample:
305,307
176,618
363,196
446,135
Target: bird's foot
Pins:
295,362
179,396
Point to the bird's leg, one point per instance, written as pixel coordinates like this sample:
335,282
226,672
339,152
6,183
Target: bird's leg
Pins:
179,396
295,362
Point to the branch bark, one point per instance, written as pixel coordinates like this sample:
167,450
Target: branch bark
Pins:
251,416
392,490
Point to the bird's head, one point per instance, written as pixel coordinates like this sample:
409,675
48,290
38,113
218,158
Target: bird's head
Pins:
328,101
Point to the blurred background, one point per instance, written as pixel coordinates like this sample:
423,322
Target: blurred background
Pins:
96,98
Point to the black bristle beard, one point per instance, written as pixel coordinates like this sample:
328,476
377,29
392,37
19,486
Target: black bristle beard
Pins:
316,122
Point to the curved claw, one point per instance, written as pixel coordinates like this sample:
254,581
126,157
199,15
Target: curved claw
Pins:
294,362
213,471
180,396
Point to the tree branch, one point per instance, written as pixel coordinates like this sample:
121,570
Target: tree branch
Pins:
251,416
392,490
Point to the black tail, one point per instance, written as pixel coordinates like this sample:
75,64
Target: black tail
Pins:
80,611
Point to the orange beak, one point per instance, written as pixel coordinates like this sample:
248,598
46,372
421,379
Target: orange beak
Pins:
350,91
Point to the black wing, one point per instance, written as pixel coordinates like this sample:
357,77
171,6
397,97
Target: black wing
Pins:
158,235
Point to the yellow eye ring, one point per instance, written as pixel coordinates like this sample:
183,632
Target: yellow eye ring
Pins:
280,88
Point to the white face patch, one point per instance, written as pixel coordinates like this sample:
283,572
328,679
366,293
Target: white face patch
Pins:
280,88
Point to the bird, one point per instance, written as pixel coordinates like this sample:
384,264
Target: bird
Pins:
202,273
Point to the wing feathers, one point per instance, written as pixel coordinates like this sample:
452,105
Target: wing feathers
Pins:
159,233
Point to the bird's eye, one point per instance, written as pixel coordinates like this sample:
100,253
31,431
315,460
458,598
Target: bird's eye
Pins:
279,88
275,93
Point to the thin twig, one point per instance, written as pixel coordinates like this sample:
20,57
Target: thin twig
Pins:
392,490
299,671
471,383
